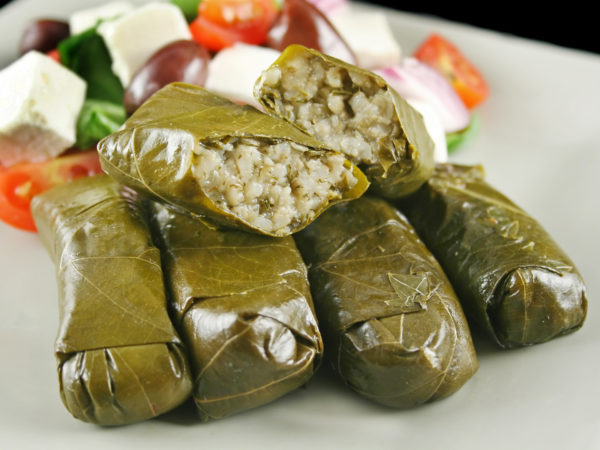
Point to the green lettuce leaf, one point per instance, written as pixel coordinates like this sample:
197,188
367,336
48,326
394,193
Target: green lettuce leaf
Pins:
460,138
98,119
189,8
86,55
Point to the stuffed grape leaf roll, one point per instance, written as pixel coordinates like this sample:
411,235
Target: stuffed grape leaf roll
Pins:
119,357
243,306
353,111
393,328
510,275
230,164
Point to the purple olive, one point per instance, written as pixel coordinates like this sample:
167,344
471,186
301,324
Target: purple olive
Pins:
43,35
183,60
299,22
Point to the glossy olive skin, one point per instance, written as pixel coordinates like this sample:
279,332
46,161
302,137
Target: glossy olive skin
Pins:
299,22
43,35
183,60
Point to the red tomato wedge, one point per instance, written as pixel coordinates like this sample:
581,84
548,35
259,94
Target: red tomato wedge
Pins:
54,55
447,59
20,183
222,23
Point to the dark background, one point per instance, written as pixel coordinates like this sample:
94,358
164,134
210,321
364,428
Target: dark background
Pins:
567,24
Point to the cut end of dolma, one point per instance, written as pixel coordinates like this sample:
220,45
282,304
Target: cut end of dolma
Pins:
123,385
273,186
510,275
352,111
242,304
535,305
119,357
231,165
393,328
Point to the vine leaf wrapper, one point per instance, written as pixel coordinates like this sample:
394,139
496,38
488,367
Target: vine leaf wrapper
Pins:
510,275
243,306
393,328
120,359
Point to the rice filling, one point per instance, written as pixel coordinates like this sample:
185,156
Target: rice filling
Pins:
271,185
346,110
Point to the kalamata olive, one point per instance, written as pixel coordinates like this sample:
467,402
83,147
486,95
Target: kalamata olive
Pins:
183,60
299,22
43,35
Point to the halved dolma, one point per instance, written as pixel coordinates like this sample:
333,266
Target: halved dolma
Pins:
243,306
119,357
233,165
393,328
353,111
510,275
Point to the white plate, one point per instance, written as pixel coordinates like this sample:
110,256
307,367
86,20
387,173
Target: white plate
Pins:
540,144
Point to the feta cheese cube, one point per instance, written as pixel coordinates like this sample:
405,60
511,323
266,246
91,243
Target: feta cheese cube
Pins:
234,70
87,18
39,104
132,38
369,36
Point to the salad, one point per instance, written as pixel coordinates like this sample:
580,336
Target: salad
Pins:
77,81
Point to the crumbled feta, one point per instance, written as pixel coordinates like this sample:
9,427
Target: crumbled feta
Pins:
135,36
40,103
87,18
234,70
369,36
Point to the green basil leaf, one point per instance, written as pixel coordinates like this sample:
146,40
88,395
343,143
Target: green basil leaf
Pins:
189,8
86,55
460,138
98,119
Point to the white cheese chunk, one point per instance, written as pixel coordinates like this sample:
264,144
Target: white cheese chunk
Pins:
234,70
87,18
369,36
40,101
132,38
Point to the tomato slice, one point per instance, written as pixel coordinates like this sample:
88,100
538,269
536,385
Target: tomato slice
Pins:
212,36
222,23
237,12
54,55
443,56
20,183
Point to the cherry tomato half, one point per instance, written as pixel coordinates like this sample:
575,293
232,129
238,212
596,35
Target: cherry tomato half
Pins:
20,183
54,55
444,57
222,23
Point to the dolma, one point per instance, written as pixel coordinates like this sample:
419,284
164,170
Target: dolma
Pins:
353,111
231,165
119,357
510,275
243,306
392,326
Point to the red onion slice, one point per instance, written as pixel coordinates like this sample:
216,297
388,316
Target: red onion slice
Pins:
414,80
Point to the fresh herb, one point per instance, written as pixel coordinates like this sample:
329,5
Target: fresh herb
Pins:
188,7
103,111
86,55
98,119
460,138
